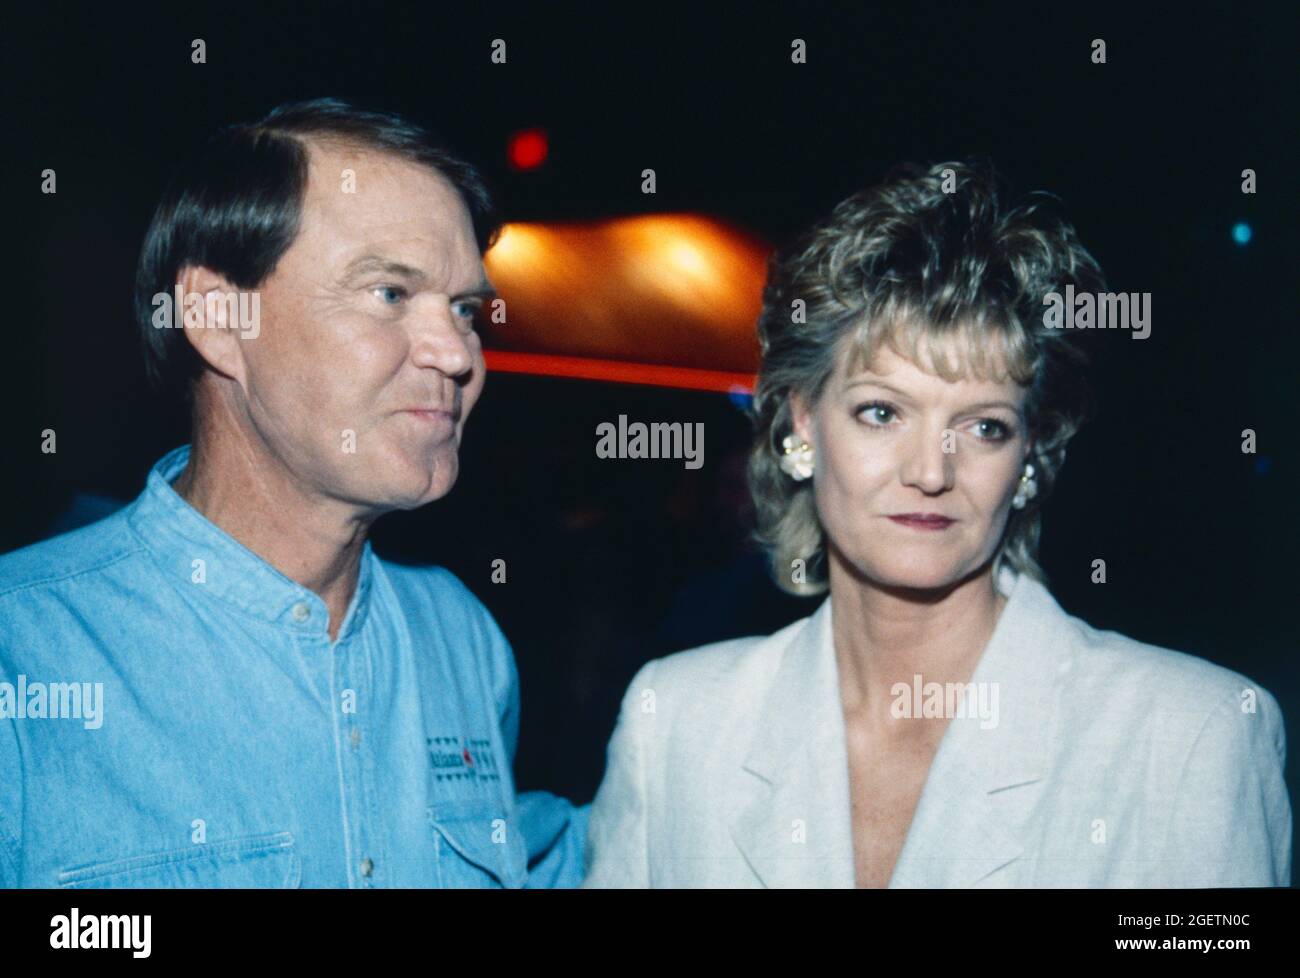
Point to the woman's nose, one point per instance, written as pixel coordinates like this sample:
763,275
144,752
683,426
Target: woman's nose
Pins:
928,464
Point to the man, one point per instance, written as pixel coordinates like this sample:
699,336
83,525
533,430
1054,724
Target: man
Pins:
221,685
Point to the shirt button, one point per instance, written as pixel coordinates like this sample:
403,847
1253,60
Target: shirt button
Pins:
301,612
367,867
355,736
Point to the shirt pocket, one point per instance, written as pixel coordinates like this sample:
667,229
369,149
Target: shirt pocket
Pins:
477,846
256,861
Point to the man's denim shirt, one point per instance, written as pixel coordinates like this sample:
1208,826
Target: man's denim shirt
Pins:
220,739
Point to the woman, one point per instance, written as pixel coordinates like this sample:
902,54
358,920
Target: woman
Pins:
939,721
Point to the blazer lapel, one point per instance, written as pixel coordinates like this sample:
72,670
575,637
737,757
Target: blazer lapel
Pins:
984,782
792,824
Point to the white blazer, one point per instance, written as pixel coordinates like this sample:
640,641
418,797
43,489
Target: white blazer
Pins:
1112,764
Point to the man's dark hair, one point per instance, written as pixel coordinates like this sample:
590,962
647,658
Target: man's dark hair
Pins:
235,207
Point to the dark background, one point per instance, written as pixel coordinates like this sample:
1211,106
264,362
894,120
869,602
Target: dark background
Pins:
610,564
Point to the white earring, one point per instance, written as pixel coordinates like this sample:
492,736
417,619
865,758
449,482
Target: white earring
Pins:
1027,489
796,458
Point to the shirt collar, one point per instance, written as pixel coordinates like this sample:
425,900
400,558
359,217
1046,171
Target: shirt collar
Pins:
199,554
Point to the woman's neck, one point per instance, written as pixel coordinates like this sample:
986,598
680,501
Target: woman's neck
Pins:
885,635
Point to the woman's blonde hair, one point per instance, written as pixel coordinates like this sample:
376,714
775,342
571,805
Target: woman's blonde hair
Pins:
934,258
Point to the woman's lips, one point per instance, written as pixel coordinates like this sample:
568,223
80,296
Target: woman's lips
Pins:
919,522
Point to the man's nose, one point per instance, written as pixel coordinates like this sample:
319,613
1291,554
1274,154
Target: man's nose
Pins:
926,465
438,341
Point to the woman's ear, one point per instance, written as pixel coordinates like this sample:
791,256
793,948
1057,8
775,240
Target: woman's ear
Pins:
801,417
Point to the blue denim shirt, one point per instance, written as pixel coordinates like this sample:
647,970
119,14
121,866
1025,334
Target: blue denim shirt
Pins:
173,713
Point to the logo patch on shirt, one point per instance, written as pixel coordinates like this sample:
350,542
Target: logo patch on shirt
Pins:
462,759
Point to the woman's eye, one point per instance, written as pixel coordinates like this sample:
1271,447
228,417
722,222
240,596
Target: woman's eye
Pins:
871,413
879,415
1001,432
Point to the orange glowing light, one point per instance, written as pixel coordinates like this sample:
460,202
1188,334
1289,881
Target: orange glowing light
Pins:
660,290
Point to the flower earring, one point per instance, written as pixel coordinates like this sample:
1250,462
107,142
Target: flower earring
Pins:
796,458
1027,489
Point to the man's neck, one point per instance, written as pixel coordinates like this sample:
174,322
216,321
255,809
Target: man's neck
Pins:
309,539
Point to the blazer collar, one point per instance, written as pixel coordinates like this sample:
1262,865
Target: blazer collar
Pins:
793,823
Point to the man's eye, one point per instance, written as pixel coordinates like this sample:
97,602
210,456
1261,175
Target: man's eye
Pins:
467,309
390,295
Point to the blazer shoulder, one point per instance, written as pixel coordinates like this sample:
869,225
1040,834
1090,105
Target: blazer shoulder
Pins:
1114,676
719,674
1180,680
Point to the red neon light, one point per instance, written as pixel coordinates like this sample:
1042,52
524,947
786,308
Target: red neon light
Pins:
619,371
528,149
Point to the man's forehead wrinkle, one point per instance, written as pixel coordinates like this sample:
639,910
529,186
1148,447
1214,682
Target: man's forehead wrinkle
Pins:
384,230
439,274
327,154
413,216
393,191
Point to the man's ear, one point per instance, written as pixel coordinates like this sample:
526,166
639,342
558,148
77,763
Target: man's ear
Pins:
209,314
